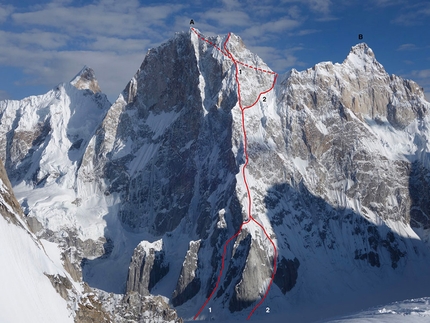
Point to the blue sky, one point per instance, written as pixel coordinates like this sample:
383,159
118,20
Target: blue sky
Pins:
47,43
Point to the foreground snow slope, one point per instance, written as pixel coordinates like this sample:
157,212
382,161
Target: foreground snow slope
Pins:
27,294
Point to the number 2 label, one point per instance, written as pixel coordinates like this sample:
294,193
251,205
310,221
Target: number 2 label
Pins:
267,310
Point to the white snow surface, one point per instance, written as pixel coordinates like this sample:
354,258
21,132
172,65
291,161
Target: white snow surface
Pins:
27,295
408,311
415,310
73,116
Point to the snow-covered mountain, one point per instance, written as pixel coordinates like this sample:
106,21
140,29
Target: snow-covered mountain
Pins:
142,195
43,141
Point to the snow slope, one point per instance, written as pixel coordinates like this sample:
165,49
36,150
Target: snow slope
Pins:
27,294
408,311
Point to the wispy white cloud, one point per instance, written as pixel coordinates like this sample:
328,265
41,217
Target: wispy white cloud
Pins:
304,32
231,4
388,3
56,39
295,13
415,14
5,12
265,30
322,6
421,73
118,45
49,67
327,18
280,60
322,9
4,95
106,18
228,17
407,47
34,39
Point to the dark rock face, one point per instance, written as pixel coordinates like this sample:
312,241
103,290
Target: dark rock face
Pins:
146,309
376,243
6,193
146,269
419,187
169,127
189,282
61,284
286,274
17,154
240,299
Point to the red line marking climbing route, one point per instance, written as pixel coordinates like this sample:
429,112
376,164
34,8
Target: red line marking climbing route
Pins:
226,52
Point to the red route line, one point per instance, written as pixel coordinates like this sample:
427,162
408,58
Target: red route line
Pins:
227,54
250,218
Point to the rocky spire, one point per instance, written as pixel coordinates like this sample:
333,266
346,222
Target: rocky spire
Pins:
86,79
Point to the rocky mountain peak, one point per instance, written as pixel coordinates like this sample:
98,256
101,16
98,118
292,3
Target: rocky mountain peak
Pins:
360,56
362,49
86,80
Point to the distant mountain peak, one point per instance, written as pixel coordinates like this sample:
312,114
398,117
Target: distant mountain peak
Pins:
361,54
86,79
362,49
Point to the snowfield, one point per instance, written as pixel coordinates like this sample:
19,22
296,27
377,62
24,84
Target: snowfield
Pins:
26,294
408,311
